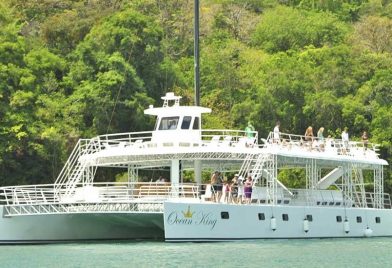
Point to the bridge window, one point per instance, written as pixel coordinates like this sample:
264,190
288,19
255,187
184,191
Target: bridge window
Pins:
186,122
196,123
168,123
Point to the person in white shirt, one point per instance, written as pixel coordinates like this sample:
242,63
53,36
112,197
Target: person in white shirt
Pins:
276,134
345,139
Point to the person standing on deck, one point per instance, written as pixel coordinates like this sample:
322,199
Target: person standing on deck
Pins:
276,134
320,139
248,189
345,140
214,185
249,132
365,140
309,137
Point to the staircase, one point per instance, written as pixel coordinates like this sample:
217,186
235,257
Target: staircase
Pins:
77,168
253,165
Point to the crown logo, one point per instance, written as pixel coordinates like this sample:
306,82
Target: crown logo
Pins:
188,213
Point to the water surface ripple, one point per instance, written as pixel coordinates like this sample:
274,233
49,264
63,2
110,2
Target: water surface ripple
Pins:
373,252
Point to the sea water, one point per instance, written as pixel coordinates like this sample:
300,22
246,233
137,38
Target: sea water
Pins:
366,252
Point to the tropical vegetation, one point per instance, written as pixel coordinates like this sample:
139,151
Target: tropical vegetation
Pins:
79,68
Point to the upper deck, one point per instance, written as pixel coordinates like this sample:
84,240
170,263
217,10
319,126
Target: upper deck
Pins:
178,135
223,145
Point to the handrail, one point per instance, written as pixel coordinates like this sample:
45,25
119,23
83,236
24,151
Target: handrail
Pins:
337,146
221,137
97,192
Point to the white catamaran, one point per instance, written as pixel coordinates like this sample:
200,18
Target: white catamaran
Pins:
333,203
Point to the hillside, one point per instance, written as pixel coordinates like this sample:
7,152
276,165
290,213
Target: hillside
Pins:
79,68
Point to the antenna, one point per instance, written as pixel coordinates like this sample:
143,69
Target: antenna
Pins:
196,54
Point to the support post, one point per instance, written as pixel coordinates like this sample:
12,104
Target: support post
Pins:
175,171
197,168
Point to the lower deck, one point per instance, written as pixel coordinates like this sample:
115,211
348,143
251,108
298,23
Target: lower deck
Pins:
150,197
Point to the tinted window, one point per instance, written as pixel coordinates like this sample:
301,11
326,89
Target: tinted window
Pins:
196,123
168,123
225,215
186,122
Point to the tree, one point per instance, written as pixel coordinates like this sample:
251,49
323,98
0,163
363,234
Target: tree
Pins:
375,34
285,28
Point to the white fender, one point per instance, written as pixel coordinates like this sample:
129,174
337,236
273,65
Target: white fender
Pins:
368,232
346,226
306,225
273,224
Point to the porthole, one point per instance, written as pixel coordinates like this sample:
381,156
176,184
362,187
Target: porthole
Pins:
225,215
261,216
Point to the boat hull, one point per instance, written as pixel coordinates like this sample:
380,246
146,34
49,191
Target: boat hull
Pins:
221,222
55,228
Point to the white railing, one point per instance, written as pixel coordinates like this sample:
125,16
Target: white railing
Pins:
327,145
331,198
96,192
211,137
229,137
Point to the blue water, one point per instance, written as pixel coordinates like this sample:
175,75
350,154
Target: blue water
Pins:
374,252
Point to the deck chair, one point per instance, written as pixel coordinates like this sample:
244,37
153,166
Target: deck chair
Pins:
215,140
227,141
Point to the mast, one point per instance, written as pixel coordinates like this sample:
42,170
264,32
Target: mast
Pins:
196,54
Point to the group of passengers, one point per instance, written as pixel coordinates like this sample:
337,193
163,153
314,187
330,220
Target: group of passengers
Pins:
319,142
237,190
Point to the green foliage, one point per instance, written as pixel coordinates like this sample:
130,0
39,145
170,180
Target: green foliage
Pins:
285,28
78,68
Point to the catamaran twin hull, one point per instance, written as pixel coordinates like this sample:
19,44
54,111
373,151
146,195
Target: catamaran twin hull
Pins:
192,221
